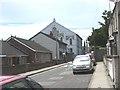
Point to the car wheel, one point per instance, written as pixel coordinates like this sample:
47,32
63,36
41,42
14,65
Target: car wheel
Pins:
92,70
74,72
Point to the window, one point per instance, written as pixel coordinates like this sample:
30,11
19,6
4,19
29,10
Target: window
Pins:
15,60
34,84
21,83
39,56
71,50
7,61
70,41
23,60
51,34
61,39
54,28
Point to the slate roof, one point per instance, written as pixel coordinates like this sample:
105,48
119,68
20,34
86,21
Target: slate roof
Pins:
53,38
54,21
37,47
9,50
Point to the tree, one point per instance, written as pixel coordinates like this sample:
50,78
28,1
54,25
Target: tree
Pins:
99,36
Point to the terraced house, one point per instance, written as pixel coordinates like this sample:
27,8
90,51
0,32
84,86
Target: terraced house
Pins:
20,55
112,59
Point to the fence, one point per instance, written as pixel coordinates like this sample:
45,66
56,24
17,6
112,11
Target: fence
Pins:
112,64
10,70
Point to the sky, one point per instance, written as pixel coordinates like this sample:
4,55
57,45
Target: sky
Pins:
25,18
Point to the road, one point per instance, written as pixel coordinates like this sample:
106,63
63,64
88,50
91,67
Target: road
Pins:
62,77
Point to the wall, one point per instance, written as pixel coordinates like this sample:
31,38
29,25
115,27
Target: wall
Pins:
12,70
99,55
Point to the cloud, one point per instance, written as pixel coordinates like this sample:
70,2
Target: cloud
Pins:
28,30
23,31
20,17
83,33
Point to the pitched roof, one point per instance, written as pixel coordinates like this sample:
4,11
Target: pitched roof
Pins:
54,21
9,50
33,45
41,30
53,38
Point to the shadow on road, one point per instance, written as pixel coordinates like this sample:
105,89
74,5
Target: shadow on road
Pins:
83,73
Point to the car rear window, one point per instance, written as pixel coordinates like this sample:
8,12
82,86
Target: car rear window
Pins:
82,58
21,83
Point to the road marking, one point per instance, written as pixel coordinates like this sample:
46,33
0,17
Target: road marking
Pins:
85,80
55,78
66,73
46,83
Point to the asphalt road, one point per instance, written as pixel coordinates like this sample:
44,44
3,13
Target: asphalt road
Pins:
62,77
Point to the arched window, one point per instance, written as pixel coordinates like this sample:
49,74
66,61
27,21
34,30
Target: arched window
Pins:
51,34
70,41
54,28
61,39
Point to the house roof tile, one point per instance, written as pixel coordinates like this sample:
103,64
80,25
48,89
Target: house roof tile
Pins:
35,46
9,50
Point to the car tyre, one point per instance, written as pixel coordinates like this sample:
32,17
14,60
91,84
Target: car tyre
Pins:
74,72
92,70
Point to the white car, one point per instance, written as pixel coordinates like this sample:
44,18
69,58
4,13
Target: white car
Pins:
82,63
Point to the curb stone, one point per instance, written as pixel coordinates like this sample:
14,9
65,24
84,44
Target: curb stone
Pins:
91,80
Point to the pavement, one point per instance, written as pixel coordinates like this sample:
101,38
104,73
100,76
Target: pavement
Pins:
100,77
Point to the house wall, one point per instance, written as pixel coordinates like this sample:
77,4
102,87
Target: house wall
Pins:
31,57
114,38
43,57
118,47
47,43
62,51
79,44
118,37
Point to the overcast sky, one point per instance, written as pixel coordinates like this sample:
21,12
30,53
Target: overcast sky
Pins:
25,18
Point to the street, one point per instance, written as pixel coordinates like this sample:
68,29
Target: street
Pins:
62,77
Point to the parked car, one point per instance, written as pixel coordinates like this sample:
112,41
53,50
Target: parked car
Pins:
18,81
93,58
82,63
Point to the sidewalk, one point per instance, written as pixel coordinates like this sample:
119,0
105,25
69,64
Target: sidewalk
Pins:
41,70
100,78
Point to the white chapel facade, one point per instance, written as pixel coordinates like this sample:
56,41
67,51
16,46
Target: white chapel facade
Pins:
73,40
